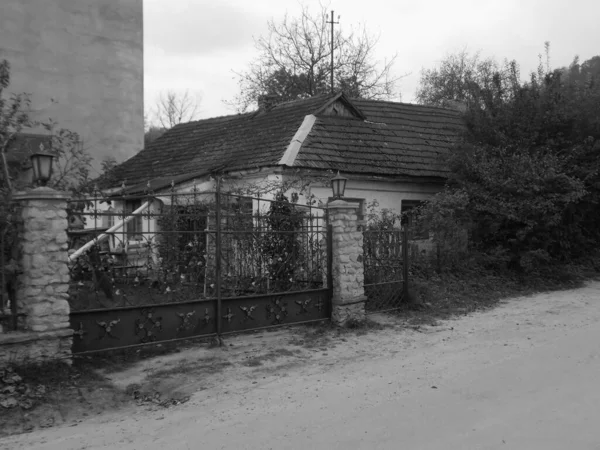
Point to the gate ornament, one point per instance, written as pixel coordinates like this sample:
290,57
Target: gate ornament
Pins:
186,321
278,311
303,306
80,332
107,327
248,310
229,315
206,316
147,325
320,304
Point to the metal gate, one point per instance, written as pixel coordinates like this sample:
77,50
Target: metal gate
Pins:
385,261
163,267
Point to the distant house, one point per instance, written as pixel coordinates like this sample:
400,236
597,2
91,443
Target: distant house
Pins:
390,152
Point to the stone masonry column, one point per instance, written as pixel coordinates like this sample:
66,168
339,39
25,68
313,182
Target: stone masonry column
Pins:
44,281
348,302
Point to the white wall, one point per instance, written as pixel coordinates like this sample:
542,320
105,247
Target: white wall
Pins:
388,195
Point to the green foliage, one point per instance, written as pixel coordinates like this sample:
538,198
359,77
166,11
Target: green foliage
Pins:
527,179
72,162
70,170
182,246
280,244
384,219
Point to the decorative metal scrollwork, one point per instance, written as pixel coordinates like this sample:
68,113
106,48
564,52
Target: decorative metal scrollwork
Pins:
229,315
320,304
303,306
248,310
206,316
80,332
148,325
107,327
186,321
278,311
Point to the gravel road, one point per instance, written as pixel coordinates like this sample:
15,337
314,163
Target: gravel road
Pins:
525,375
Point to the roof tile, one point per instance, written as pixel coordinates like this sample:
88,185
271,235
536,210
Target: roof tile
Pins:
395,139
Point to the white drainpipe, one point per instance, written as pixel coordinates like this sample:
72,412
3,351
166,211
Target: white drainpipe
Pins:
108,232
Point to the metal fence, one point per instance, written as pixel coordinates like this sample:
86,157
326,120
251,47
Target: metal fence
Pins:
385,261
213,263
10,318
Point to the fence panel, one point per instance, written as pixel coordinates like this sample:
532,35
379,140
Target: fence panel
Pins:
385,268
240,262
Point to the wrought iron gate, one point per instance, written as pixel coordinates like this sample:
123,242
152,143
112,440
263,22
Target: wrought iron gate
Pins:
169,266
385,261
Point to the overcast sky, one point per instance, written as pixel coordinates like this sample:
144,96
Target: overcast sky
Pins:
198,44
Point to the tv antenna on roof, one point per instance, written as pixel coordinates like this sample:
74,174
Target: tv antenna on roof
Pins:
332,37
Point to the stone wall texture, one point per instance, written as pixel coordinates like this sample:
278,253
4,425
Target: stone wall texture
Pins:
42,291
82,63
348,300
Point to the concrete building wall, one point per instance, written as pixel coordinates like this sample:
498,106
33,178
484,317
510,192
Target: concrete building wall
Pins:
82,63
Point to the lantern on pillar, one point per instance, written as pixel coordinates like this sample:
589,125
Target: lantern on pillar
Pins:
338,185
42,166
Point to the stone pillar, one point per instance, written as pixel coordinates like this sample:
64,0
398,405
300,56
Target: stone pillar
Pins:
42,288
349,298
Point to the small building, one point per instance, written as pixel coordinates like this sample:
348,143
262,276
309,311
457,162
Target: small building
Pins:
390,152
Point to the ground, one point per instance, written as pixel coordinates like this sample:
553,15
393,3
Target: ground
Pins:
522,375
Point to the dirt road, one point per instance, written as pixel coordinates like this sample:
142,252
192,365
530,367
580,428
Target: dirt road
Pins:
525,375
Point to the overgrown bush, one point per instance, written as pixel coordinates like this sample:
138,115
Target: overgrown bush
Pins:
527,179
280,243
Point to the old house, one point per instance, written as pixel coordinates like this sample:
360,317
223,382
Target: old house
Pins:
390,152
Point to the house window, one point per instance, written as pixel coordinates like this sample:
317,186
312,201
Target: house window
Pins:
410,214
133,228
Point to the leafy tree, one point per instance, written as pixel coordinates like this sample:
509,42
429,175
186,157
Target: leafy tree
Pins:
468,79
294,62
528,173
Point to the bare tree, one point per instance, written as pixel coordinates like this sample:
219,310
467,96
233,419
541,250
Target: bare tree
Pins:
172,109
294,62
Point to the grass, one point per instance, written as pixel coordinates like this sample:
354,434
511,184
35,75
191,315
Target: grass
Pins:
471,288
55,393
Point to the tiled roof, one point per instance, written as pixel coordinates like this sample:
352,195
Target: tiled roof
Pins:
395,139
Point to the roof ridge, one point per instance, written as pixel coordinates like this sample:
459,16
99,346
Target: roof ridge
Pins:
390,102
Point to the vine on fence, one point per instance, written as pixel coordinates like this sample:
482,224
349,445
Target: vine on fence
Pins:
280,244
